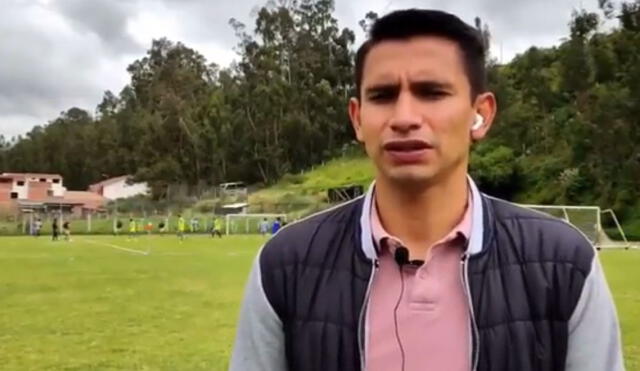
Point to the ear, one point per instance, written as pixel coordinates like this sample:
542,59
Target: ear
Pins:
486,106
354,114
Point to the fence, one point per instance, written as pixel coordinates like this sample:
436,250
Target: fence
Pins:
146,220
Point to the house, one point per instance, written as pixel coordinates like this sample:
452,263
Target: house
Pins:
28,187
44,193
15,186
83,203
120,187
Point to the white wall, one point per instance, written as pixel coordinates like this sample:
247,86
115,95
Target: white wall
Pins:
23,191
121,189
58,190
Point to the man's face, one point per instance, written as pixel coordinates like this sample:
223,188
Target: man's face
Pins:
415,110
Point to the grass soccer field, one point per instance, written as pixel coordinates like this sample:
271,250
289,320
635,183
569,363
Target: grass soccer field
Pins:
105,303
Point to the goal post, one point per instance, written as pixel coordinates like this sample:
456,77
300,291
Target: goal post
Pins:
606,241
587,219
249,223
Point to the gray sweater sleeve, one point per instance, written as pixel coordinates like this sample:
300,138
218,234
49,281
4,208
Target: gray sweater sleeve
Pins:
259,341
594,334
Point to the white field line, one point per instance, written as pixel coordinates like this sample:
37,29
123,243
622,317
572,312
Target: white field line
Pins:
175,254
118,247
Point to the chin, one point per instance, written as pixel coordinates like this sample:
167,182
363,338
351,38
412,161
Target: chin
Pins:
412,176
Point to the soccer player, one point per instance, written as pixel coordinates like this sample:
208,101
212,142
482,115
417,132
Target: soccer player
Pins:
194,224
54,230
264,227
38,227
148,227
132,228
118,227
425,272
277,224
181,227
66,229
216,228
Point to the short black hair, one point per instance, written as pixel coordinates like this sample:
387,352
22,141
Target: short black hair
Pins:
405,24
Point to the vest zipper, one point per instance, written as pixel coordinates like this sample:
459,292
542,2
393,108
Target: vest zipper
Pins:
475,337
362,327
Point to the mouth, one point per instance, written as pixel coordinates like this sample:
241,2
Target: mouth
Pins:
408,151
409,145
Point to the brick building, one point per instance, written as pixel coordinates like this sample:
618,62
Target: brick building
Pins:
27,192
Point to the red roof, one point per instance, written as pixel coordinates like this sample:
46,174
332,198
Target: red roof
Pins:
89,199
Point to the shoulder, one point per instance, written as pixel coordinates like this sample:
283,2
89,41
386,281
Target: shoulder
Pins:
541,237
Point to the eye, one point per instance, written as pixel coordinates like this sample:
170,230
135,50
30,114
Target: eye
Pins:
430,93
382,95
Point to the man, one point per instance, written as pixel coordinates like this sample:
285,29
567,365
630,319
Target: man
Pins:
35,228
181,227
132,228
276,226
54,230
264,227
66,229
148,227
38,227
118,227
425,272
194,224
216,228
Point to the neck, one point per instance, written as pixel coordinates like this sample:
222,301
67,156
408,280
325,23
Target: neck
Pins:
421,216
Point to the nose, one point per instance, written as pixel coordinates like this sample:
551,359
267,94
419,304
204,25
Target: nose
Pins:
405,114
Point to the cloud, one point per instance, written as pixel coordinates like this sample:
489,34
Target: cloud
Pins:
515,25
49,66
106,19
201,25
57,54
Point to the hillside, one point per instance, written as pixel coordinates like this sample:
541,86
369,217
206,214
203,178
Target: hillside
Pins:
300,194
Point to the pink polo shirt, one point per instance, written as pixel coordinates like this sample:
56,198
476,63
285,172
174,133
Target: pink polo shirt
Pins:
433,314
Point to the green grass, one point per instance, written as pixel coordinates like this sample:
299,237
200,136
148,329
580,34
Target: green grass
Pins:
86,305
622,269
339,172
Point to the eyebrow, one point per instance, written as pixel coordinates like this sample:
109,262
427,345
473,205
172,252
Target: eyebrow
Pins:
431,85
376,88
419,84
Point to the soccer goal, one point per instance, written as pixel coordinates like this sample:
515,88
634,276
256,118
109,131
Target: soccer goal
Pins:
250,223
587,219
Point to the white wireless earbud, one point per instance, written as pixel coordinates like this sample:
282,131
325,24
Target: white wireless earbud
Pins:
477,124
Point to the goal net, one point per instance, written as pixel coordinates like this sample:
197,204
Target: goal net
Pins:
251,223
588,219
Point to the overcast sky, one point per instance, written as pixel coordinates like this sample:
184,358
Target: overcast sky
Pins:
57,54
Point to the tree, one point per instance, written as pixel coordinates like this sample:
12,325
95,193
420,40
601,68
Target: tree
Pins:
369,19
566,131
484,31
169,86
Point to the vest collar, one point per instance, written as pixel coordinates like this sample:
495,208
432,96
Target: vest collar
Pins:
477,223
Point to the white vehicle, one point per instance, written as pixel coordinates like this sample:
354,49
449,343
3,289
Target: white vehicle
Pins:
233,189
